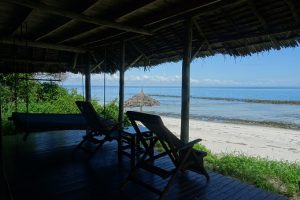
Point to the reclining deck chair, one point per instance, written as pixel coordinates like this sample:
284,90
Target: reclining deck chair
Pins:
98,126
183,156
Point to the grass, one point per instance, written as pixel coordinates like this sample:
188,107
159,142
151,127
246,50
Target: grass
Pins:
280,177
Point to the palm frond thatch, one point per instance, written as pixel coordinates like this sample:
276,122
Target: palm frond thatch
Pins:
140,100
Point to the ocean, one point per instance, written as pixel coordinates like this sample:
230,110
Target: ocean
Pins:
268,106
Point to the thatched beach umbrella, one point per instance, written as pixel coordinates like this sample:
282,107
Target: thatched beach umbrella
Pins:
141,100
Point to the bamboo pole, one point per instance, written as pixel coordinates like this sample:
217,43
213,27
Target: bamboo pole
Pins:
121,83
88,81
185,91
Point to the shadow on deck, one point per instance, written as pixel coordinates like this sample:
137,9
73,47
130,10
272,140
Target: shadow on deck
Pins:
42,168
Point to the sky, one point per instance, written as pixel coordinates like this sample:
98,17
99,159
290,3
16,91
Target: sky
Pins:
274,68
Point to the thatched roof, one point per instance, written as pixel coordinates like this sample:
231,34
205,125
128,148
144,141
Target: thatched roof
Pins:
141,99
66,35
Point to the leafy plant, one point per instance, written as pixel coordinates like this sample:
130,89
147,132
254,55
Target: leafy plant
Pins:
36,97
276,176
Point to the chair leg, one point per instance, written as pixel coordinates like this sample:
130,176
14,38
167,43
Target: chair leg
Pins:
79,145
120,145
131,174
178,169
204,172
168,186
201,167
96,149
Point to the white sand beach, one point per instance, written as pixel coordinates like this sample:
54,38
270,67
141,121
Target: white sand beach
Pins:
273,143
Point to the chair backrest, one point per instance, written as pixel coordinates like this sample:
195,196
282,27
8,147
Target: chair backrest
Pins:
94,121
155,124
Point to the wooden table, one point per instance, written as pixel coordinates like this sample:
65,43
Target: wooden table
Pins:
132,143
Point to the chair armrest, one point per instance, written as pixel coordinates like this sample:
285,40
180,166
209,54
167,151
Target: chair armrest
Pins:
149,137
116,126
189,145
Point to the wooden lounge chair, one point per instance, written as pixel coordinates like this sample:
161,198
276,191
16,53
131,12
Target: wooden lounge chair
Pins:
183,156
97,126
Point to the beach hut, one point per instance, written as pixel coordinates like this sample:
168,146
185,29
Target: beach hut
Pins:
77,36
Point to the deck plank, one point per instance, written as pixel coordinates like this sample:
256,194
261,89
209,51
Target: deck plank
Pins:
43,168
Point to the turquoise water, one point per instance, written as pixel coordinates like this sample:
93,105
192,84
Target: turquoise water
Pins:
269,106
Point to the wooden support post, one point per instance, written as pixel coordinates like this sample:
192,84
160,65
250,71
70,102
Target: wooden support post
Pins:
88,81
185,91
121,84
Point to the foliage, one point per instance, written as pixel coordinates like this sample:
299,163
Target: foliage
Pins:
276,176
22,95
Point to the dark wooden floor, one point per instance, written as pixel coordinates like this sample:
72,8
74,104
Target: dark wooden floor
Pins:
43,168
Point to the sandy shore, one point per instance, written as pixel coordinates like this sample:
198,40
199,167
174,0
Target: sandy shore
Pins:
273,143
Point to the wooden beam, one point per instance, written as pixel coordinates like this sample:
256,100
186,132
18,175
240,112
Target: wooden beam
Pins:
34,61
134,61
94,57
21,26
170,18
46,32
231,22
262,21
80,17
139,50
197,51
185,90
97,66
28,43
119,19
166,21
202,35
75,60
293,9
121,84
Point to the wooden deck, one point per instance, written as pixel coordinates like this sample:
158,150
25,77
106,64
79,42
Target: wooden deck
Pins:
43,168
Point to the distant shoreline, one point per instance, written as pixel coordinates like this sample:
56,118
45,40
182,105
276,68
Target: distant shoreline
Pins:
174,86
262,101
235,121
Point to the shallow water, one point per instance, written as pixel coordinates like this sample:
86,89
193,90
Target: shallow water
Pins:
269,106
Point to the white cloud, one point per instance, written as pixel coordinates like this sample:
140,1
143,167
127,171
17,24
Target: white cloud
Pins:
174,80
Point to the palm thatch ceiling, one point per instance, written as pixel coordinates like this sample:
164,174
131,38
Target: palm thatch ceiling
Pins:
67,35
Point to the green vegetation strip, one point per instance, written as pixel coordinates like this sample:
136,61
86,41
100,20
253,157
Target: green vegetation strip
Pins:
281,177
44,97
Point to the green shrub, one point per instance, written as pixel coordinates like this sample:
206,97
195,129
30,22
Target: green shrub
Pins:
276,176
43,98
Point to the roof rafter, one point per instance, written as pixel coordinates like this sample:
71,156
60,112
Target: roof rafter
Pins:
134,61
43,45
19,26
292,7
77,16
49,32
170,17
138,49
202,35
145,3
197,51
262,21
33,61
